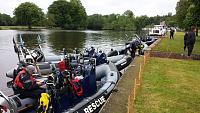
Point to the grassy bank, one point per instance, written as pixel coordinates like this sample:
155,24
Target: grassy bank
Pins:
117,102
177,44
19,27
169,86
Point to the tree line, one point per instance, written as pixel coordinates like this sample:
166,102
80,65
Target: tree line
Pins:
188,13
72,15
127,21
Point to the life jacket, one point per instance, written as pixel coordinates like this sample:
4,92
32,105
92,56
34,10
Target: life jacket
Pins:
76,86
24,81
21,65
62,65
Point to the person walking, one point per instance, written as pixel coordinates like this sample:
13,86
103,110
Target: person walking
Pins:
171,33
185,39
191,40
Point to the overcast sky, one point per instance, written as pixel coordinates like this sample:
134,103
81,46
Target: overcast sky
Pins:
139,7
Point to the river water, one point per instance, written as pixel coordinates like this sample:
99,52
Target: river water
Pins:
53,43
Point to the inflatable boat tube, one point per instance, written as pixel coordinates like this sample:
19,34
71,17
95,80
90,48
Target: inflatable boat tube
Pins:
149,40
115,59
112,53
122,64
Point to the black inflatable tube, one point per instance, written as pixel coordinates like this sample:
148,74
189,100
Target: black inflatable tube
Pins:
112,53
121,66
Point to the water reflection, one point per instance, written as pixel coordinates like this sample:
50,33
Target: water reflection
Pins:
69,40
30,40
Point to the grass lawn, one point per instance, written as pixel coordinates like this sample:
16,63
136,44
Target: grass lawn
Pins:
177,44
169,86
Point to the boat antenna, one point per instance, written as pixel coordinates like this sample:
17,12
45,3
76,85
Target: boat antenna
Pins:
22,49
126,35
64,53
16,49
35,64
39,42
21,41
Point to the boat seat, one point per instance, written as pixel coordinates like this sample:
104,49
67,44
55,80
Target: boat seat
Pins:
45,68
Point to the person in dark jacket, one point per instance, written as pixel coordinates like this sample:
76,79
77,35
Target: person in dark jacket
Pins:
171,33
26,85
185,39
191,40
133,49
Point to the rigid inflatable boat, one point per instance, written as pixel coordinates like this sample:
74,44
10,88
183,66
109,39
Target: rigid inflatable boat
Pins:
141,46
96,83
149,40
137,43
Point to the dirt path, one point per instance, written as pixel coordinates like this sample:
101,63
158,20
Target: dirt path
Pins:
118,100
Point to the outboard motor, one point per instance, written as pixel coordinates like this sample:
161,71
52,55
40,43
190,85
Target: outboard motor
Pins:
100,58
89,52
37,55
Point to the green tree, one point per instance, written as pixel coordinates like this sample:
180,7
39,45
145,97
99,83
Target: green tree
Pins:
95,22
51,20
190,19
109,21
67,15
129,13
78,15
170,20
59,12
194,11
5,20
181,12
141,22
28,14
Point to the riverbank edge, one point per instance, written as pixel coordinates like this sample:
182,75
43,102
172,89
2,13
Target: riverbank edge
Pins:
21,28
52,28
117,102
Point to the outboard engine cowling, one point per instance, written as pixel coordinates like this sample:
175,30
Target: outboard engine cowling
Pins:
100,58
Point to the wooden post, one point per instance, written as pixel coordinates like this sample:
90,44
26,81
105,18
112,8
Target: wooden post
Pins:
139,75
128,111
134,93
